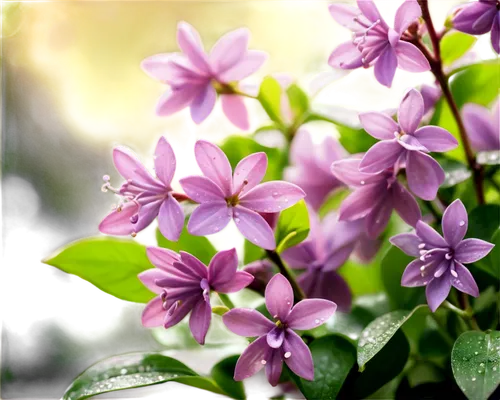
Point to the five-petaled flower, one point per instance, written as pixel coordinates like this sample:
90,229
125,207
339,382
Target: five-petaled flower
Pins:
195,78
374,197
441,259
183,284
375,43
277,342
147,197
223,197
483,126
407,144
480,17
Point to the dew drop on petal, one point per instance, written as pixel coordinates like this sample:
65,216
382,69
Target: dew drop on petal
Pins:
287,354
263,362
461,223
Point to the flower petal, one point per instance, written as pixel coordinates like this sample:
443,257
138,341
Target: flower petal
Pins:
118,222
171,219
197,267
429,235
370,11
254,227
279,297
150,276
199,321
272,196
410,142
346,56
347,171
345,15
164,161
437,291
147,213
480,127
201,189
229,49
408,242
300,256
455,221
495,33
410,58
214,165
411,111
251,360
472,250
129,166
385,66
360,203
162,258
176,99
157,66
298,356
310,313
377,220
178,311
464,281
405,204
407,13
249,172
424,174
465,19
381,156
209,218
274,366
248,64
240,280
413,276
235,110
247,322
153,314
203,104
328,285
379,125
222,267
435,138
275,337
190,43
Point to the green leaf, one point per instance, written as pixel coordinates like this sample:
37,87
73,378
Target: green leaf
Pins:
484,221
454,45
455,172
488,157
110,264
293,226
299,102
198,246
252,252
270,98
223,373
491,263
333,358
238,147
135,370
378,333
475,361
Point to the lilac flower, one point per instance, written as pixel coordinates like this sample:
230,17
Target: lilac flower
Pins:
311,166
478,18
277,342
262,271
184,283
430,95
241,197
440,262
406,144
327,247
147,197
196,78
374,197
483,126
375,43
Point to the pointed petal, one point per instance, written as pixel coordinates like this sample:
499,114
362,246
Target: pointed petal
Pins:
377,220
464,281
203,104
171,219
177,99
229,49
347,171
465,19
177,312
162,258
201,189
247,322
405,204
279,297
248,64
178,282
410,58
118,222
235,110
249,172
164,161
129,166
412,276
209,218
437,291
379,125
275,337
299,358
250,361
254,227
424,174
222,267
411,111
407,242
406,14
310,313
199,269
199,321
480,127
429,235
190,43
381,156
274,366
472,250
346,56
360,203
149,277
327,285
410,142
385,66
455,221
272,196
300,256
214,165
435,138
339,255
345,15
495,33
147,213
369,9
153,313
157,66
240,280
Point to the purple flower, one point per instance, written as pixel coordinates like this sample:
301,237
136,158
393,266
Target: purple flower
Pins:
440,262
374,197
277,342
480,17
184,283
408,145
327,247
223,197
262,271
311,166
196,78
147,197
483,126
430,95
375,43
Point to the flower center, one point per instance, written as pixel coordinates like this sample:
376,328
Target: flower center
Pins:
223,88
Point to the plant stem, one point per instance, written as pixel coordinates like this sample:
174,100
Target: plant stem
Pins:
437,69
226,301
462,313
298,293
472,320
